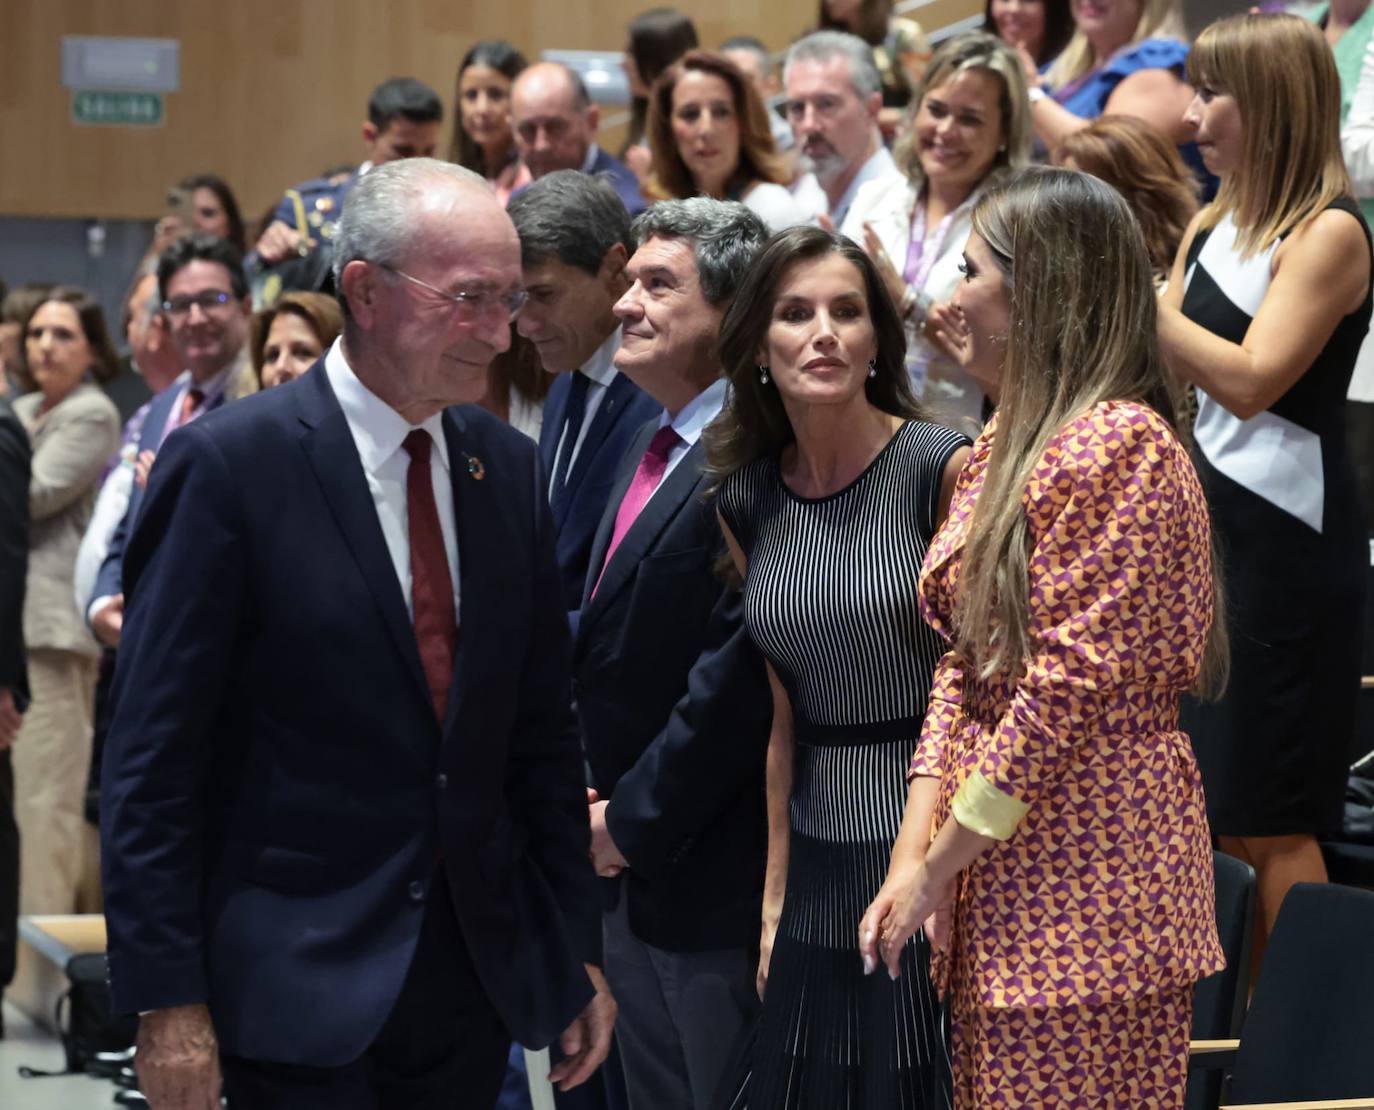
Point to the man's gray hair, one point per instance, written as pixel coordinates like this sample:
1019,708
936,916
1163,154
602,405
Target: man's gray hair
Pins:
725,237
821,46
572,216
378,222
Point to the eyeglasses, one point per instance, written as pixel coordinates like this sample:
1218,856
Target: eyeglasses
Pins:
209,301
471,305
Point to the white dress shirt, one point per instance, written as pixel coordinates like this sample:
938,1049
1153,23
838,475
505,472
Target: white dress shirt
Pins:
378,432
879,167
600,368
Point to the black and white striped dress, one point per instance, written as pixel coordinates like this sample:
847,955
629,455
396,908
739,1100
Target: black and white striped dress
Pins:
830,598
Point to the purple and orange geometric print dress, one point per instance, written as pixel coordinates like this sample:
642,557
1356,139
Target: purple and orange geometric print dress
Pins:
1077,938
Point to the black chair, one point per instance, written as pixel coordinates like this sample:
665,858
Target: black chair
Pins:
1310,1027
1219,1000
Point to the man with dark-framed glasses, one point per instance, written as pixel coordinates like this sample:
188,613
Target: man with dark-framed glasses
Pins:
205,299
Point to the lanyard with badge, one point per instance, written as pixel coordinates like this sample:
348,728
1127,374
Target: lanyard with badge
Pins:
922,253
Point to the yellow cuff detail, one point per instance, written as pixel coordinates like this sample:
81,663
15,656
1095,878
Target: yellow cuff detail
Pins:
982,808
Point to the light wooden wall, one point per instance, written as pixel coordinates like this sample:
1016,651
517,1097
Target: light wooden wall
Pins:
274,91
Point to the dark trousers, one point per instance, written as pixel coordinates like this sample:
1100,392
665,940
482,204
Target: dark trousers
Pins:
681,1015
443,1047
9,873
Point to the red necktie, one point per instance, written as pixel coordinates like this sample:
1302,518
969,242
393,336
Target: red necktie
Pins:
646,479
189,404
431,585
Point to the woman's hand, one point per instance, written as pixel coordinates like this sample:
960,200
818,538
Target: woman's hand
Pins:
908,899
946,327
896,285
1032,71
766,938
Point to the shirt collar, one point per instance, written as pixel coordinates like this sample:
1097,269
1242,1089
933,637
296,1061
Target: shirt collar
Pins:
601,366
378,429
879,164
589,161
213,386
698,412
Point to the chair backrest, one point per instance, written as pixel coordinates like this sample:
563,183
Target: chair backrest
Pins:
1219,1000
1310,1027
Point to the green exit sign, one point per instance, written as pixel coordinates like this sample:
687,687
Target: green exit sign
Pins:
118,109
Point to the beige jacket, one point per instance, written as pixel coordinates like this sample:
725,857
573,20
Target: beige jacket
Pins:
71,443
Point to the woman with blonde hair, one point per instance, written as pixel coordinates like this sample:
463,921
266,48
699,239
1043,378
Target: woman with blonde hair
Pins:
1055,843
970,127
1266,310
1126,57
1144,167
709,136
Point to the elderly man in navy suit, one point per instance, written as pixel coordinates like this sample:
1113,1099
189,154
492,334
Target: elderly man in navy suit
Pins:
555,125
344,825
672,694
574,243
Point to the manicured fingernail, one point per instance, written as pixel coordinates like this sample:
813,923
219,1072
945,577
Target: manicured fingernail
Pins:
868,965
868,937
892,975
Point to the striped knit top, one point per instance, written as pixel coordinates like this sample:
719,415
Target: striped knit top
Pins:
831,583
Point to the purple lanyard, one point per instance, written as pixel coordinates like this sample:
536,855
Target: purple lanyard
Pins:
919,261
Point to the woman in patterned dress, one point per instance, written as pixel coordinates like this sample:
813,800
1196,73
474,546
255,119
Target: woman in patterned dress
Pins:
1068,883
1267,307
832,485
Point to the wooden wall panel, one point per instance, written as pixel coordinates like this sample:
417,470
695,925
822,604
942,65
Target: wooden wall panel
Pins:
274,91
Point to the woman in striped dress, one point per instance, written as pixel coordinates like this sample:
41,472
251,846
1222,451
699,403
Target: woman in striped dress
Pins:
832,485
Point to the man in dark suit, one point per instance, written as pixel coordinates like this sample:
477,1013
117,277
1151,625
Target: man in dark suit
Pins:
574,243
14,690
672,694
205,298
344,825
555,125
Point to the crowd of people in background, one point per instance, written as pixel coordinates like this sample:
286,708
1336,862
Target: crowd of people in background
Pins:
924,436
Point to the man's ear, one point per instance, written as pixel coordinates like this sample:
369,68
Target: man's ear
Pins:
359,284
594,118
613,268
873,105
370,133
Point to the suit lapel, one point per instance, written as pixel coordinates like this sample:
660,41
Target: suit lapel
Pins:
329,446
472,503
662,507
555,412
608,413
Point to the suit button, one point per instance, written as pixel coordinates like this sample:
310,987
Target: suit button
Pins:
441,781
417,891
576,690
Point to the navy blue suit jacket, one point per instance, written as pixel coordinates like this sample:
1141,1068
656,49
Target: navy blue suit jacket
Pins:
109,581
622,178
277,792
675,709
577,513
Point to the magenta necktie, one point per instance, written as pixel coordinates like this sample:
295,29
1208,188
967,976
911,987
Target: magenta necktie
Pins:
431,583
647,477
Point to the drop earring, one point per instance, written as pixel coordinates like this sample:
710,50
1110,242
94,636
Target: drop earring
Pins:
763,374
873,368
